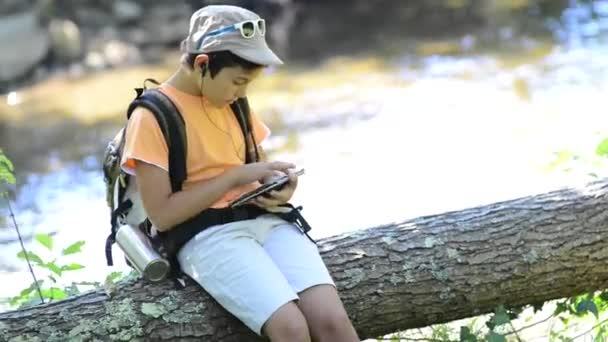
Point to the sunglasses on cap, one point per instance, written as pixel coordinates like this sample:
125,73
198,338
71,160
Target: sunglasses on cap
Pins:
247,28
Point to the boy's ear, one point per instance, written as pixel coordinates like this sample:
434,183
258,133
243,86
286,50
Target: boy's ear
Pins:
201,60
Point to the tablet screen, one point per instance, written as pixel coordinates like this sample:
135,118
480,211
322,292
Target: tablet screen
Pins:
264,188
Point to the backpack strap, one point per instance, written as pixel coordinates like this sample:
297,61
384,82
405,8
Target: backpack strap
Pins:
240,108
292,214
173,128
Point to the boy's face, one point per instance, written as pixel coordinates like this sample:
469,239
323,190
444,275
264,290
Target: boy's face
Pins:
228,85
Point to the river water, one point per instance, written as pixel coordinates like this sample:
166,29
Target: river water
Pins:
382,139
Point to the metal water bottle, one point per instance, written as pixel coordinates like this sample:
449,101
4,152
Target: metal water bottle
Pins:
140,253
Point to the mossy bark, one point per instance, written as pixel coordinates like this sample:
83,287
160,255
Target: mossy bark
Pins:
423,271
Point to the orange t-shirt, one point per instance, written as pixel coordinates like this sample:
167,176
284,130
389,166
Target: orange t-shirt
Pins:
214,138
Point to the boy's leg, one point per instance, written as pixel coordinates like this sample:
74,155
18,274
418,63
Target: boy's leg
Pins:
325,314
299,261
287,324
231,265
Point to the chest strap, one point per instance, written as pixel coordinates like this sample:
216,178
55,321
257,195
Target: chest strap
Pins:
174,239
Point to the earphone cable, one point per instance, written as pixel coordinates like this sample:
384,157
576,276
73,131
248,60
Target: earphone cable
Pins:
228,134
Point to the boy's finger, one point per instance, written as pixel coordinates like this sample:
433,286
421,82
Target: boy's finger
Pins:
279,165
280,196
265,201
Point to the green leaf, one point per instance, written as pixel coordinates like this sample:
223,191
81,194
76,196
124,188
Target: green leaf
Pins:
490,324
500,316
466,336
494,337
602,148
33,257
538,306
7,171
587,306
15,300
4,160
30,302
54,293
71,267
559,308
112,277
561,158
604,296
52,266
27,291
7,177
73,248
45,240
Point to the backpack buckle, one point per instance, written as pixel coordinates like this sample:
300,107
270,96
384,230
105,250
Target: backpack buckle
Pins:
122,180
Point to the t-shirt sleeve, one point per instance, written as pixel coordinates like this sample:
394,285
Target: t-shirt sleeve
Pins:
144,142
260,130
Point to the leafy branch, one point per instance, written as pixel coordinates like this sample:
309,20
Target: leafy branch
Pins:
7,170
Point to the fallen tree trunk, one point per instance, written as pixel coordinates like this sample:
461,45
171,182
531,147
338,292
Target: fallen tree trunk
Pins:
424,271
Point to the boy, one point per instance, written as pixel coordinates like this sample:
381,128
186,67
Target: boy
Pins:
262,269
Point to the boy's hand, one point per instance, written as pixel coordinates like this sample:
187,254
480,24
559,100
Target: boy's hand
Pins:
278,197
259,171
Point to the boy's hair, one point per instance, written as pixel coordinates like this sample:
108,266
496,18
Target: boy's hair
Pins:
222,59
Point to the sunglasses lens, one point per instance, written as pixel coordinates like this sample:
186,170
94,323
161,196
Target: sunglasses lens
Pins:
248,29
262,27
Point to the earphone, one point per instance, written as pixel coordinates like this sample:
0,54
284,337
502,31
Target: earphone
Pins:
204,68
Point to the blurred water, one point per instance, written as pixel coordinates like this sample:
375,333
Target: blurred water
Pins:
448,132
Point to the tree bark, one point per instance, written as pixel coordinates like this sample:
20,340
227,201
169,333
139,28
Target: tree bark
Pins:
398,276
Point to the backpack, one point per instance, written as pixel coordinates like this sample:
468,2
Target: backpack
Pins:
126,207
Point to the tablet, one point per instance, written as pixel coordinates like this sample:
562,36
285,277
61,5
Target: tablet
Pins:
264,188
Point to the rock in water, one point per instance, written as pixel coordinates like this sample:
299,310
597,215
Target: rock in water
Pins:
24,45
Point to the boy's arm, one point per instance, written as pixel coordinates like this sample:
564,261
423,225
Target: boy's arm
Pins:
167,209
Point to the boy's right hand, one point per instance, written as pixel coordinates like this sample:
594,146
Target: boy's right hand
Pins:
249,173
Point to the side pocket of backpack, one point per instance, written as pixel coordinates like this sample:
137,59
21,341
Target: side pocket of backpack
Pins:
111,166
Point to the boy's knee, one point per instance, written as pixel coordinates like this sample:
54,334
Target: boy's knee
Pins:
332,323
287,324
294,330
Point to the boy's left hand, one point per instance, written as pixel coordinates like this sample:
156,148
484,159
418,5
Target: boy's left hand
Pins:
278,197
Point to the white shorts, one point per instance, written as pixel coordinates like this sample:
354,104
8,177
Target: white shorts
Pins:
254,267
